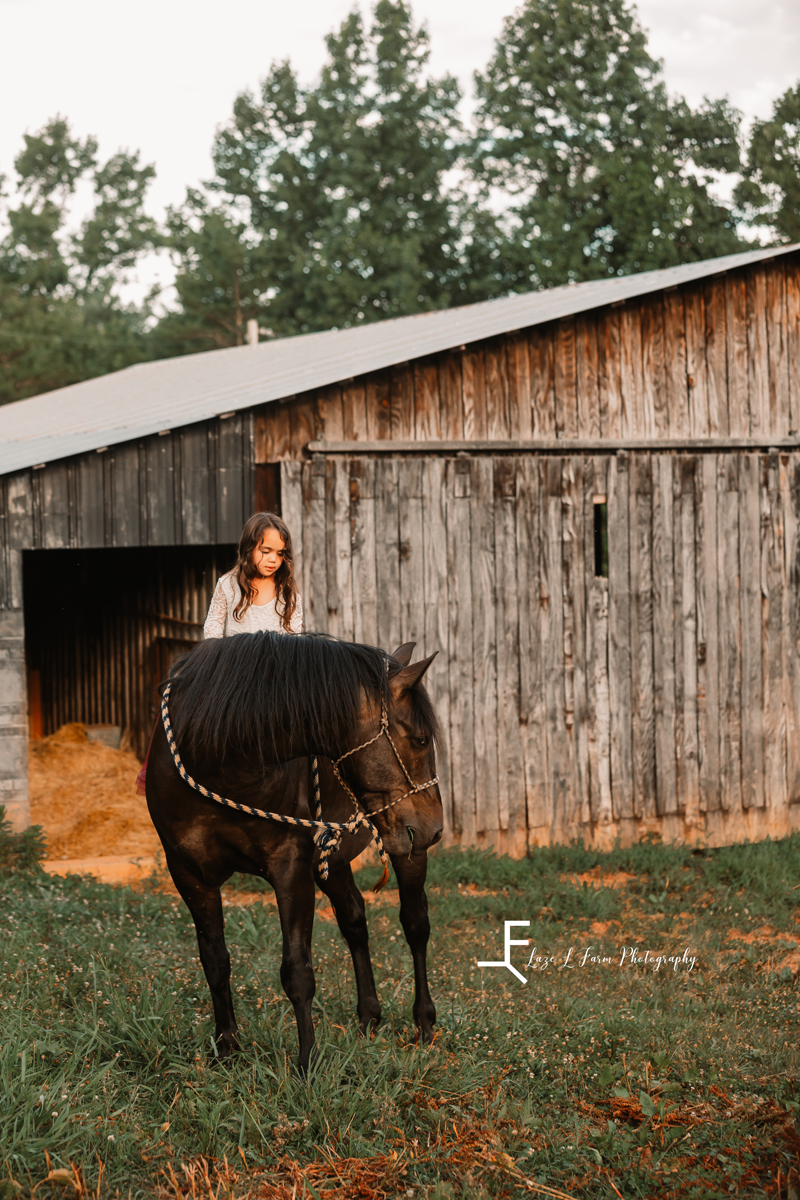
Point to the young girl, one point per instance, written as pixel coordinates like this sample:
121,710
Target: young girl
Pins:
260,592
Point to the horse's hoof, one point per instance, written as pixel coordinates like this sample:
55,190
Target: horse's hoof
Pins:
369,1027
227,1046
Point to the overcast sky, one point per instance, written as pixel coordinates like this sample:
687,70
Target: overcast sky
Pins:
160,75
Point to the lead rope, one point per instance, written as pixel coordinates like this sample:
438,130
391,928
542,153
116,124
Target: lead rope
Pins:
328,835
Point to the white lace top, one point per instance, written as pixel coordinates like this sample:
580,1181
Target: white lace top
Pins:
221,622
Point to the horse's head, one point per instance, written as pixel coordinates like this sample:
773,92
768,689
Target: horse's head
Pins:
388,768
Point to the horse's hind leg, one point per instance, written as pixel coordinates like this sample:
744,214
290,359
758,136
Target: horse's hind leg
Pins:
205,904
417,928
348,905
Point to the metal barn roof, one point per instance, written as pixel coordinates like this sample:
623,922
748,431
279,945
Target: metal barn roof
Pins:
154,396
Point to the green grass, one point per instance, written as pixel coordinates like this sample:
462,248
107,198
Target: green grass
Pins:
661,1083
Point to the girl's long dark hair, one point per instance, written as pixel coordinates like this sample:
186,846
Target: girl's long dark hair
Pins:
245,572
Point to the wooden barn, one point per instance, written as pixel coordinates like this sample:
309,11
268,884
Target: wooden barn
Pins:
586,499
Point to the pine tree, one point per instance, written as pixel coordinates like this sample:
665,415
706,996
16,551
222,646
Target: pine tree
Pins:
349,216
605,174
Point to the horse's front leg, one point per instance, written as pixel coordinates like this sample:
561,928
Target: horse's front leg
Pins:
294,891
205,904
348,905
411,874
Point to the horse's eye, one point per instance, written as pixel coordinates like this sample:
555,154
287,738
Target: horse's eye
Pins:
421,741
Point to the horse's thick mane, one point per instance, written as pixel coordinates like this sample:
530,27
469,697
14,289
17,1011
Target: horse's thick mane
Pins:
245,694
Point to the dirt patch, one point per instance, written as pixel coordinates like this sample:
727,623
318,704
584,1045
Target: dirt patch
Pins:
83,794
599,879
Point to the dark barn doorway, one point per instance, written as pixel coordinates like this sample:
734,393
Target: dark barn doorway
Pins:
102,626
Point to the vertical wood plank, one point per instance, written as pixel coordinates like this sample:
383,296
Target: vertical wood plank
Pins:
91,504
303,422
686,640
329,408
233,508
292,508
730,681
695,319
379,406
354,410
274,434
757,352
412,549
340,594
772,608
498,423
519,385
664,636
632,415
708,647
793,341
511,774
559,780
194,487
362,544
574,472
587,376
736,339
716,358
790,494
750,600
473,374
540,358
531,659
619,644
484,654
387,549
676,374
654,387
401,399
779,409
315,599
55,506
450,393
434,506
598,708
610,389
566,385
427,425
462,683
642,690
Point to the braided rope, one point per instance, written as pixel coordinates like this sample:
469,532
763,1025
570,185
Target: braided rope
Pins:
328,835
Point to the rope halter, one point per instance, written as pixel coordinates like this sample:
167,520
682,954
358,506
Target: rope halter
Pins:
328,834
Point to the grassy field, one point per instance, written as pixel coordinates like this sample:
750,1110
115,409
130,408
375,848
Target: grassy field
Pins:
593,1080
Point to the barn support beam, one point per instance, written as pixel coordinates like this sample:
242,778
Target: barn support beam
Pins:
14,706
551,445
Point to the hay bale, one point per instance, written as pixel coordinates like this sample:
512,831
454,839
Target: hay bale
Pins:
83,793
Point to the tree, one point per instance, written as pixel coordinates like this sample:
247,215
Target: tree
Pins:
769,194
61,319
337,195
605,174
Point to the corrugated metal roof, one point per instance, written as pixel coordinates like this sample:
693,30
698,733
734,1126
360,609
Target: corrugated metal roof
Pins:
151,397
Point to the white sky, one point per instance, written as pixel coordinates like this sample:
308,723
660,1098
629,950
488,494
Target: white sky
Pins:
161,75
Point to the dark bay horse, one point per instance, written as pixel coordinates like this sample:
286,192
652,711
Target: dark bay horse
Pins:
246,712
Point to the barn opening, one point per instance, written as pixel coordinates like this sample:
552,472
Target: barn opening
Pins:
103,625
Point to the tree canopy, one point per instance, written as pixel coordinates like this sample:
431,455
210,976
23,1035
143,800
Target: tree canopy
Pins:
366,194
601,172
62,320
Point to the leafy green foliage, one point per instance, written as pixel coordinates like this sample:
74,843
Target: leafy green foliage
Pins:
769,194
334,206
651,1079
62,320
607,174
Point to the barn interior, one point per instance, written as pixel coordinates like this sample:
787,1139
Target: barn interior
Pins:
103,625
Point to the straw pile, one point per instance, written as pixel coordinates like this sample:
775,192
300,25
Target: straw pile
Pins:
83,794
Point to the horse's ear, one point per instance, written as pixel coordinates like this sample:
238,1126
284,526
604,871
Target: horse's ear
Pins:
404,680
403,653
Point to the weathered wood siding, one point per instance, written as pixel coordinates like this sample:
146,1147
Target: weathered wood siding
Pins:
664,697
718,359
